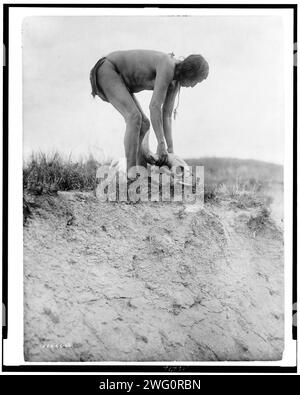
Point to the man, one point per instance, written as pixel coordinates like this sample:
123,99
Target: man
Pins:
117,77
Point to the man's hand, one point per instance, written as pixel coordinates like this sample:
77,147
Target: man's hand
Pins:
162,154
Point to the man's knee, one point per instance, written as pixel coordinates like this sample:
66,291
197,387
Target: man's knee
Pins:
134,118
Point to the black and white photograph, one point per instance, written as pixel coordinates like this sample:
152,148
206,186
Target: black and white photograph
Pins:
154,187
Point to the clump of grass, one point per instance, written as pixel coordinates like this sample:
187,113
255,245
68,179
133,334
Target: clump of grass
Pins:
210,192
49,173
240,195
259,220
26,211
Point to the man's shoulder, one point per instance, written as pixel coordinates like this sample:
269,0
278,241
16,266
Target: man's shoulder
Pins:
166,66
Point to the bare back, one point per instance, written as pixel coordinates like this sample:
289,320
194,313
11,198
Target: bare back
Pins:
139,68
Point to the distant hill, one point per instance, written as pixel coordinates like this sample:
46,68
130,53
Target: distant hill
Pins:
232,170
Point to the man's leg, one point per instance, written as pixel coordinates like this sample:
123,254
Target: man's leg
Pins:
144,129
118,95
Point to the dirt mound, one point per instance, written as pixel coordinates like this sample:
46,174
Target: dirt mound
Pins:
150,281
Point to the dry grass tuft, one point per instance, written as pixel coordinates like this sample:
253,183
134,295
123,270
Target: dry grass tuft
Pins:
48,174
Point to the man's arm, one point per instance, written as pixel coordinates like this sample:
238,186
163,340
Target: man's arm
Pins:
167,114
164,76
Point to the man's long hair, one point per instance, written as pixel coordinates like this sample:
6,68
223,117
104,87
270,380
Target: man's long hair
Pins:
194,67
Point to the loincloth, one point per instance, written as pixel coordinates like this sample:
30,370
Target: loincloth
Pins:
96,89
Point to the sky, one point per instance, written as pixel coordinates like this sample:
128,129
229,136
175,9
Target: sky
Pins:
237,112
